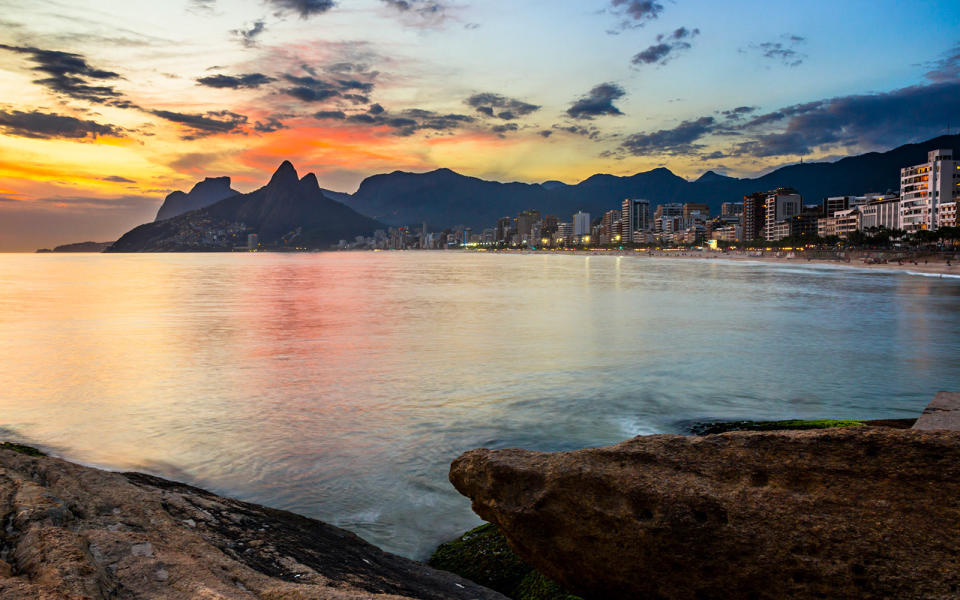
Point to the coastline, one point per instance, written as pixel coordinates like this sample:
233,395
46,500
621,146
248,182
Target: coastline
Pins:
925,267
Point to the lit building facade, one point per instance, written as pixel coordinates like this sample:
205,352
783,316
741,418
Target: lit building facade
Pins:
924,187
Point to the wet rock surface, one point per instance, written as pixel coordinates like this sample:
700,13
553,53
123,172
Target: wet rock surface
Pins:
75,532
859,512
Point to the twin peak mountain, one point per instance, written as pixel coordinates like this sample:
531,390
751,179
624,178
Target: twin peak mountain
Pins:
287,212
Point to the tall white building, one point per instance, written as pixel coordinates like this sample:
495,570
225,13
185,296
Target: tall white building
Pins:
581,224
881,211
781,204
923,188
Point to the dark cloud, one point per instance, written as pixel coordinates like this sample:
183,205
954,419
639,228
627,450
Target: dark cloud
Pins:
504,128
352,84
312,88
235,82
338,115
738,112
546,133
209,123
635,13
678,140
424,12
305,8
503,107
599,101
117,179
784,51
667,47
590,132
947,68
405,123
248,37
40,125
70,75
866,121
269,126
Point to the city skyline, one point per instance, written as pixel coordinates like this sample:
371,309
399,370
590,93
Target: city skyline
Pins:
117,106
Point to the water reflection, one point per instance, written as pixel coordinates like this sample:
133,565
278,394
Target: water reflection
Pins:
341,385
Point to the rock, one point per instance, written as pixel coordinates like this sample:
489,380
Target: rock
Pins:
860,512
61,542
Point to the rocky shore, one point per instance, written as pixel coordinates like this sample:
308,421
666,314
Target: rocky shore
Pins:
843,512
73,532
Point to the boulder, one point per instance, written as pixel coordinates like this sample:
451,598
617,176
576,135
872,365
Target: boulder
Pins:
861,512
72,532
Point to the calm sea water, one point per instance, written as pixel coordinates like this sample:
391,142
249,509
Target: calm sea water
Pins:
340,386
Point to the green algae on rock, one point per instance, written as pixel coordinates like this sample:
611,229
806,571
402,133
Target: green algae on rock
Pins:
707,428
483,556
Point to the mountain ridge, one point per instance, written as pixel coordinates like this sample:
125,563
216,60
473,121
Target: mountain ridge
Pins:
443,198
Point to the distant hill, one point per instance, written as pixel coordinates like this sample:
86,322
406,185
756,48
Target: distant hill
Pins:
287,212
80,247
443,198
203,194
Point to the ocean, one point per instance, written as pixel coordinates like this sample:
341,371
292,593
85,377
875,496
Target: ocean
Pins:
341,385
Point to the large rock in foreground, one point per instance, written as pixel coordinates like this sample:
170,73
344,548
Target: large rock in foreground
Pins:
72,532
842,513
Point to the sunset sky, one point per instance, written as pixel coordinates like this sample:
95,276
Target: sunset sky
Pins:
108,106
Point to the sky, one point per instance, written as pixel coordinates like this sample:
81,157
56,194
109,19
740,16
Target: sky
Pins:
109,106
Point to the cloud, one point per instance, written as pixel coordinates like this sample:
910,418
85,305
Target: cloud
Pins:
248,37
785,51
305,8
117,179
947,68
864,121
546,133
667,47
235,82
505,127
209,123
40,125
500,106
597,102
635,13
419,12
337,115
311,88
70,75
269,126
404,123
679,140
738,112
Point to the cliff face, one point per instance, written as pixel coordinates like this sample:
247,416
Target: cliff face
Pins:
209,191
72,532
840,513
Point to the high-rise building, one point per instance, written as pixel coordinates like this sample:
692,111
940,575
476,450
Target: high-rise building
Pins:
564,233
581,223
881,211
634,216
730,209
754,213
694,207
610,227
525,221
672,209
781,204
834,203
923,188
504,225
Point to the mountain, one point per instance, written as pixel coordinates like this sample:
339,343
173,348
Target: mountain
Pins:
203,194
78,247
443,198
287,212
